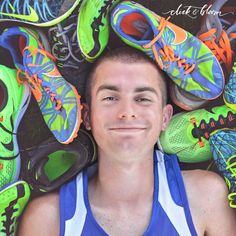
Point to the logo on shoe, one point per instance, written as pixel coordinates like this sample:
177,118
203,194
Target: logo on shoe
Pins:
32,16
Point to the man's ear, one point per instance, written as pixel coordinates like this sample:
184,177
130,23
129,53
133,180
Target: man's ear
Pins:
167,114
86,116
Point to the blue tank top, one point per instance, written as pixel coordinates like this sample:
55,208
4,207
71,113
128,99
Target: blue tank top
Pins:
170,214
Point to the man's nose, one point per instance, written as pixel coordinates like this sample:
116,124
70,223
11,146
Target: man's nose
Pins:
127,110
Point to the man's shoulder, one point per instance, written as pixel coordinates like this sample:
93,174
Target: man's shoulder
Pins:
200,179
43,210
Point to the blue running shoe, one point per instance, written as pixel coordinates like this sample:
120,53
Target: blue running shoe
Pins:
40,13
187,61
222,144
230,89
58,100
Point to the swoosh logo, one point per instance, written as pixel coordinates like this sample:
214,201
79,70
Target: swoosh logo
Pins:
8,146
180,34
32,17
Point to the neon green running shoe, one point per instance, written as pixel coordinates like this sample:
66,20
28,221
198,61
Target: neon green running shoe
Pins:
58,100
187,134
93,27
14,101
186,60
13,200
40,13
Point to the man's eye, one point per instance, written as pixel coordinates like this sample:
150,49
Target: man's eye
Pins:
109,98
143,99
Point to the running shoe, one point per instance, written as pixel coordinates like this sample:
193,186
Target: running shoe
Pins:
222,144
185,100
13,200
93,27
14,100
64,47
187,61
58,100
217,33
40,13
187,134
229,95
51,164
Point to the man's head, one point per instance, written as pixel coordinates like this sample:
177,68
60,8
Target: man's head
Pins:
125,55
126,111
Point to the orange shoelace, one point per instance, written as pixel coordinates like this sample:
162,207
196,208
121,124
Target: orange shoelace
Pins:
34,82
167,52
222,50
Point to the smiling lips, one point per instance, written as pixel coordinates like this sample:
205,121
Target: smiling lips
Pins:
127,129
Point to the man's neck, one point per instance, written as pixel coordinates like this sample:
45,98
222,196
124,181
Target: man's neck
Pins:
123,181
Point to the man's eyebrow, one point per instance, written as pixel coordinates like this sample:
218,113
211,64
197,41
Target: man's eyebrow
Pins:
144,89
107,87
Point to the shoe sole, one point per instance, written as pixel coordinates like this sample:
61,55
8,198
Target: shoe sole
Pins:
20,114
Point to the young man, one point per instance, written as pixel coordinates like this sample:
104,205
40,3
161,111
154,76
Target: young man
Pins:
134,190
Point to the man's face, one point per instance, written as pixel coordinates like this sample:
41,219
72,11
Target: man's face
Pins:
126,113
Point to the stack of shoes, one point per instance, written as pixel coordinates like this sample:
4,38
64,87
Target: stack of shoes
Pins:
13,199
14,101
54,69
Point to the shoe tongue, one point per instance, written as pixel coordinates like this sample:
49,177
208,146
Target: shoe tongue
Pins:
144,28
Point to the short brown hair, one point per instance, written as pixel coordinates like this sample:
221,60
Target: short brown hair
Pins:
124,55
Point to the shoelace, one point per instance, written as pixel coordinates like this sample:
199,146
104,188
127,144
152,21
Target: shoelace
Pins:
167,52
231,166
204,129
222,50
43,11
34,82
103,11
8,223
68,48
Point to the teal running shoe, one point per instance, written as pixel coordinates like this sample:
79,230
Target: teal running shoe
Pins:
58,100
229,95
40,13
188,133
49,165
13,200
222,144
93,27
14,101
187,61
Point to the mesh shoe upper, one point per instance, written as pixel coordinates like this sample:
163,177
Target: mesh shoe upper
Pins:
222,143
187,61
15,99
41,13
13,201
58,100
190,141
